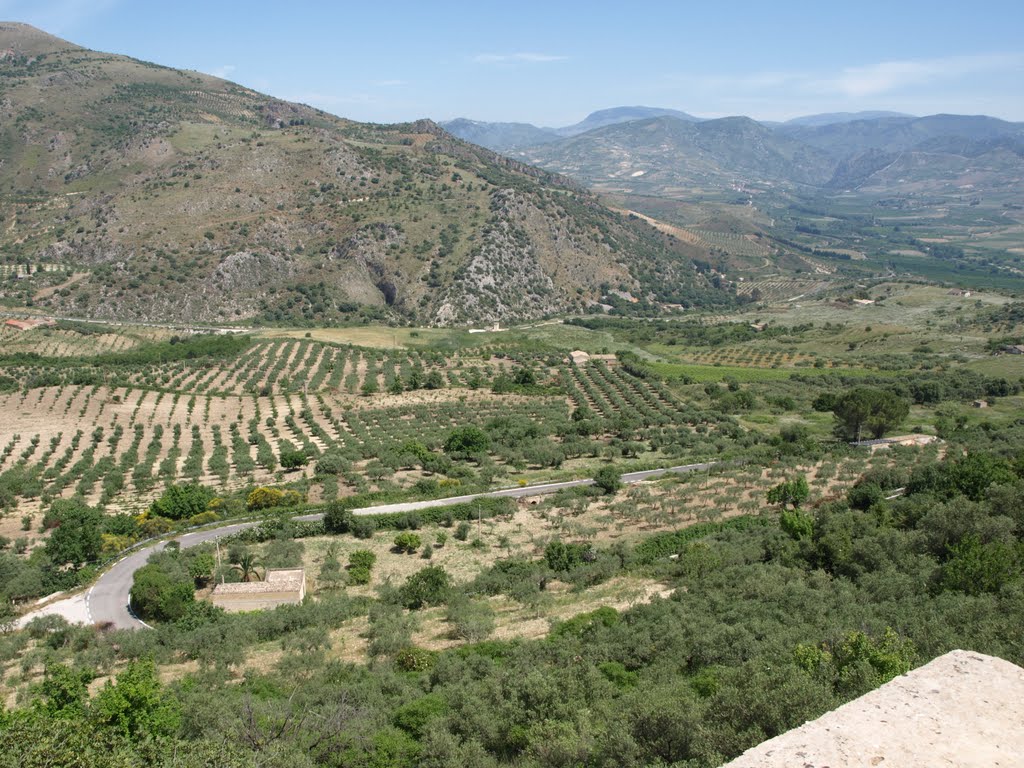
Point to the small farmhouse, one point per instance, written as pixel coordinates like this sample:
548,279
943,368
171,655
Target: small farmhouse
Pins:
27,325
282,586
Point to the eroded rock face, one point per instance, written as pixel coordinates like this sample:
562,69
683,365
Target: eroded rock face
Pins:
503,280
962,709
243,270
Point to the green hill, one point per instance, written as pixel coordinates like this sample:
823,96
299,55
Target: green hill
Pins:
178,196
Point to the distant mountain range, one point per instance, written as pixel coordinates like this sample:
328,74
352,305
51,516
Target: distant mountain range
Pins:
502,137
660,151
173,195
830,118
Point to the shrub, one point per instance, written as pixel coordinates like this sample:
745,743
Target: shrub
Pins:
429,586
203,518
263,498
865,495
293,458
77,532
414,659
470,620
357,576
798,524
338,518
180,502
462,531
332,464
266,498
362,558
363,527
563,557
390,629
793,492
160,595
608,479
407,542
414,716
466,441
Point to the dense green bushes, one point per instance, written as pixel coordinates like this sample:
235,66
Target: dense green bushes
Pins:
183,501
762,631
338,517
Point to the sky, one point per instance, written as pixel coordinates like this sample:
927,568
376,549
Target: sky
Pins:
552,63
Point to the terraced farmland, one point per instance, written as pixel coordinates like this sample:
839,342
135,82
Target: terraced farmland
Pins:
781,288
731,242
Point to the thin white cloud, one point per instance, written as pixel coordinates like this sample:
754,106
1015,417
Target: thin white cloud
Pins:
888,76
223,72
522,57
951,83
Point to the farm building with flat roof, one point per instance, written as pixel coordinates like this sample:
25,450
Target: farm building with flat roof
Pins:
283,586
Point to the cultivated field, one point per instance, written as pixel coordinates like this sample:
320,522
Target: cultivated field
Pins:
116,436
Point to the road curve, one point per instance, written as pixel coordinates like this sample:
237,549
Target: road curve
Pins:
107,601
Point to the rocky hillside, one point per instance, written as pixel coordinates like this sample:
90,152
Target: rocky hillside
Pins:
676,155
666,151
171,195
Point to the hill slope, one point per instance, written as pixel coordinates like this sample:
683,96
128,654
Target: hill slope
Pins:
666,152
665,156
181,196
509,137
899,134
501,137
616,115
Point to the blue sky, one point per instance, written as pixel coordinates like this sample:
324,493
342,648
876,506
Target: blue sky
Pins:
551,63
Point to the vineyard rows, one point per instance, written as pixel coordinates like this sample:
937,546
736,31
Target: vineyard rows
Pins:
111,444
757,357
52,342
273,367
780,288
125,432
739,245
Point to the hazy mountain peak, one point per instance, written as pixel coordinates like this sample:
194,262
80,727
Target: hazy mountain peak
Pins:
501,137
831,118
613,115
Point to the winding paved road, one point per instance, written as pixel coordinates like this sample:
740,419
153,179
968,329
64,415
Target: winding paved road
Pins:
108,599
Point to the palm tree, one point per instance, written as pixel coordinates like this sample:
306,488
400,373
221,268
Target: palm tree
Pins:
246,566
